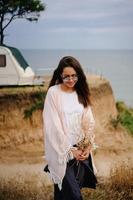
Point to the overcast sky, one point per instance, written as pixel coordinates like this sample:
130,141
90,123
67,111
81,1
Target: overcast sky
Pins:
76,24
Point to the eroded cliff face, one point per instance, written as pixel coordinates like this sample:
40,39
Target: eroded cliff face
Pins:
15,130
104,110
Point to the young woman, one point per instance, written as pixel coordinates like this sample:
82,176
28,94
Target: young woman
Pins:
68,130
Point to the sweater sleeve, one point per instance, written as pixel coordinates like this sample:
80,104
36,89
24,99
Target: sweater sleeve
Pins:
56,141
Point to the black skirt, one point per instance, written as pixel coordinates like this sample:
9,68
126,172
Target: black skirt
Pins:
79,174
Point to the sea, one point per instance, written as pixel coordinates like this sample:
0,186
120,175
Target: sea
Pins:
114,65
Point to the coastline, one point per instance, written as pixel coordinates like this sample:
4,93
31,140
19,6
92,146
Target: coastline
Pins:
115,65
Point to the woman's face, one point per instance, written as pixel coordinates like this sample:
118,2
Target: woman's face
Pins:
69,77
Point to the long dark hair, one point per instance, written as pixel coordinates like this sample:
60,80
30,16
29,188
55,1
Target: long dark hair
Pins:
81,85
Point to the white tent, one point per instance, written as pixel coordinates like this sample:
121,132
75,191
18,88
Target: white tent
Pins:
14,70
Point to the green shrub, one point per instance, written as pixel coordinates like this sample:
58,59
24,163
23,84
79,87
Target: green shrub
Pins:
125,116
38,105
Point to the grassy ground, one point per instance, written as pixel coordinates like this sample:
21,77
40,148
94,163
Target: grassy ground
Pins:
33,187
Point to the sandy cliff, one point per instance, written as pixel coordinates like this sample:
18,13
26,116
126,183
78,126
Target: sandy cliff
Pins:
17,133
14,129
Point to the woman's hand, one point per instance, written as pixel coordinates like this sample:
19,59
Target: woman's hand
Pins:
81,154
85,153
77,154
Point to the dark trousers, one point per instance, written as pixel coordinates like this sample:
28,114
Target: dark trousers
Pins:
70,187
78,174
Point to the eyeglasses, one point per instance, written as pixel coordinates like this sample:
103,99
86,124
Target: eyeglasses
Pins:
72,77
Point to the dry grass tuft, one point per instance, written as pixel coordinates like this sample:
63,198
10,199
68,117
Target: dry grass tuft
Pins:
28,187
121,178
119,186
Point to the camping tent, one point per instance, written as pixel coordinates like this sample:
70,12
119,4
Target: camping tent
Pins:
14,70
